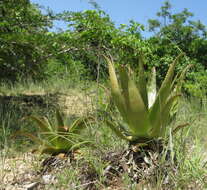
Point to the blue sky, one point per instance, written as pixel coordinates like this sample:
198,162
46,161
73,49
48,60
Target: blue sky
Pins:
121,11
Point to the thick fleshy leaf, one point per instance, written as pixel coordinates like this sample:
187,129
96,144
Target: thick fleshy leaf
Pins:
67,140
41,123
142,82
115,129
60,122
130,104
124,80
152,91
79,124
165,88
137,113
30,136
176,88
159,126
115,90
163,93
47,122
178,81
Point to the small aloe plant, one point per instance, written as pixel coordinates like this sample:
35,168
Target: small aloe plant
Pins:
58,138
145,111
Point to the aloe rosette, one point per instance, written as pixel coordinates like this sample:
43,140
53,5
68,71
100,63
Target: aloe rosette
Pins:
59,137
146,111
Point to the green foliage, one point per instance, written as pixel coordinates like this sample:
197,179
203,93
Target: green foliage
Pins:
59,137
66,69
146,112
93,30
23,39
174,33
198,85
96,34
28,50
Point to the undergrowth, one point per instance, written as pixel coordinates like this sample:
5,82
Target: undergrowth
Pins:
188,147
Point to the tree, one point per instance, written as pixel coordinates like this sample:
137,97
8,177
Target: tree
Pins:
174,33
23,39
180,30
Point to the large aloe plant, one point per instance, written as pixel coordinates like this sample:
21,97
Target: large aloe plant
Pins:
145,111
57,138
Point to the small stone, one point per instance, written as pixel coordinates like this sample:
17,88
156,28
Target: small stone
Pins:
48,179
31,186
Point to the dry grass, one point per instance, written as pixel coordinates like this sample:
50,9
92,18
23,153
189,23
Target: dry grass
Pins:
22,170
19,170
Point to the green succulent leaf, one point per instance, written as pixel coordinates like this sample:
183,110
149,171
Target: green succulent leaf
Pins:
60,121
57,139
124,81
115,90
152,91
165,88
130,104
41,123
178,81
146,112
137,113
30,136
79,124
162,120
142,82
163,93
44,119
115,129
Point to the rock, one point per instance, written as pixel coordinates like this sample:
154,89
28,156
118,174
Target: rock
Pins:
48,179
31,186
